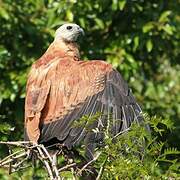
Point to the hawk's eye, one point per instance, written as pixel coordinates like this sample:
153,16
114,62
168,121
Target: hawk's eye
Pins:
69,27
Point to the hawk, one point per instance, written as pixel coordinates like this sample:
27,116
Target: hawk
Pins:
62,89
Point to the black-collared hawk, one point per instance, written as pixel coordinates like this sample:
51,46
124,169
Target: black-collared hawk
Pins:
61,89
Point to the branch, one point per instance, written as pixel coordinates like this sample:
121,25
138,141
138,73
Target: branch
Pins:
17,143
18,160
28,148
53,165
122,132
44,160
90,162
101,169
67,167
11,158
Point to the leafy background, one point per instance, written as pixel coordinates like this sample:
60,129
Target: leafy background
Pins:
140,38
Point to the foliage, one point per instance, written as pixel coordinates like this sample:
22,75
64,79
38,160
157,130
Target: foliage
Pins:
139,154
133,155
140,39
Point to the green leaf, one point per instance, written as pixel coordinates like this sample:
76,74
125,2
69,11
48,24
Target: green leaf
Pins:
136,43
122,4
149,45
148,27
164,16
114,4
5,128
3,50
69,15
82,22
51,17
139,7
129,57
4,13
100,23
168,29
171,150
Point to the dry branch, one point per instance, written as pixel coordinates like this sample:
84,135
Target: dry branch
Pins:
90,162
46,163
18,160
22,155
17,143
67,167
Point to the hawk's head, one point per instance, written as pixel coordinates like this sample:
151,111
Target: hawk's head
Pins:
69,32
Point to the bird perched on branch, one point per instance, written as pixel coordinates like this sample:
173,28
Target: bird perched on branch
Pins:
61,89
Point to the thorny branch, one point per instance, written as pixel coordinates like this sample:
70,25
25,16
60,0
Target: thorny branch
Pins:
17,160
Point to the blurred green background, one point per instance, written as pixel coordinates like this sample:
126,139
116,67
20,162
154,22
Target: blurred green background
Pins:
140,38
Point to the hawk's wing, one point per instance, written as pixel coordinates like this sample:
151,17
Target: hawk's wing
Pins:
85,88
37,91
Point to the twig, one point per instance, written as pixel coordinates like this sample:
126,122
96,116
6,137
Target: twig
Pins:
67,167
21,162
43,159
11,155
121,133
17,143
17,161
73,174
101,169
41,152
20,168
12,159
10,164
84,167
50,159
46,152
15,169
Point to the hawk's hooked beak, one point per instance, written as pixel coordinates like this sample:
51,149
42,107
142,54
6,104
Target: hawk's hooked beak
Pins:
81,31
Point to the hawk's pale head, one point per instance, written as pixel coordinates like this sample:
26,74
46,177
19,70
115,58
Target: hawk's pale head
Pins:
69,32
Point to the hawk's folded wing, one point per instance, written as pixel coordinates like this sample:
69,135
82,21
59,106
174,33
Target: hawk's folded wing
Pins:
65,93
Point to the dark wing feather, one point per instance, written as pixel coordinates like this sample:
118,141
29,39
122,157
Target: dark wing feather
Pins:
117,107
